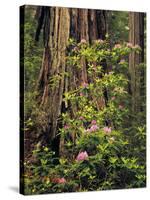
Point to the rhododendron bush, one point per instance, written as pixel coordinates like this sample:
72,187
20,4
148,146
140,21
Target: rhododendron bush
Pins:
99,148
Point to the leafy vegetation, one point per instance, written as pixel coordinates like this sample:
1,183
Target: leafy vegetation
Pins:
100,151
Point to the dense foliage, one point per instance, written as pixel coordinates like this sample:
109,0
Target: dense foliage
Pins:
101,150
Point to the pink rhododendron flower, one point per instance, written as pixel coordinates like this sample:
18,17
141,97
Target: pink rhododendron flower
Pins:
113,98
82,156
81,94
117,46
83,41
62,180
66,126
93,122
84,84
99,41
107,130
59,180
75,49
81,118
121,107
129,45
122,61
94,128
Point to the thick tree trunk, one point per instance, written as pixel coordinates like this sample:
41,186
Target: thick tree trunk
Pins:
64,23
51,78
136,37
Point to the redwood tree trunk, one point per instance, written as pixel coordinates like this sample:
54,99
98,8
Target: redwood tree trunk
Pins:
59,25
136,37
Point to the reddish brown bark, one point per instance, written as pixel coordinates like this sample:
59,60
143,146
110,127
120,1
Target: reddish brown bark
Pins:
136,37
63,24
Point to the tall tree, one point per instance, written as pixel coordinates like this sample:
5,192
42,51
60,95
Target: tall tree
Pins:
136,37
60,24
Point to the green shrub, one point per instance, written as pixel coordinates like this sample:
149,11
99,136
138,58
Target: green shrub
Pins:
99,151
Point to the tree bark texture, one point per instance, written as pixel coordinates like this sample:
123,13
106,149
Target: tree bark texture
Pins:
136,37
60,24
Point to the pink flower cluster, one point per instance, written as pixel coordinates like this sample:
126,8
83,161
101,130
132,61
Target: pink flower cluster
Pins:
113,98
81,118
121,107
117,46
93,128
107,130
83,41
129,45
93,122
82,156
66,126
99,41
84,84
75,49
59,180
81,94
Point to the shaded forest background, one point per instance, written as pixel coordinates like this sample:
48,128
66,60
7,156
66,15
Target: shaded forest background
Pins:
60,46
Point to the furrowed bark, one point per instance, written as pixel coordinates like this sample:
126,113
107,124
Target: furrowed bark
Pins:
136,37
63,24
